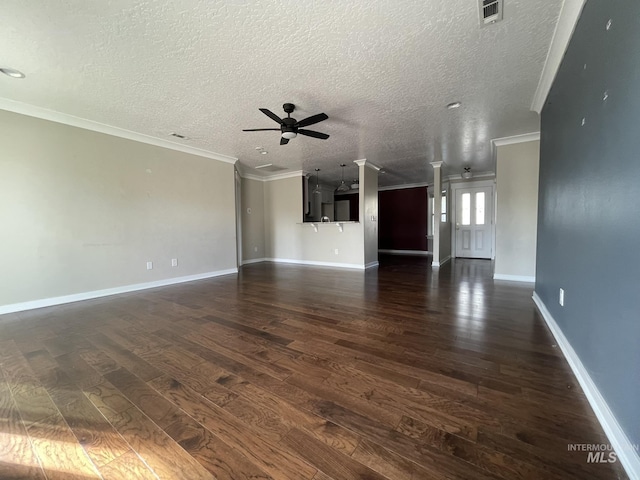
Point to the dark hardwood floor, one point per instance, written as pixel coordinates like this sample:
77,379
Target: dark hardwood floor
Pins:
290,372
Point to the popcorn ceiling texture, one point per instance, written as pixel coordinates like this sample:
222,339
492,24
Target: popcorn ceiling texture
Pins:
382,70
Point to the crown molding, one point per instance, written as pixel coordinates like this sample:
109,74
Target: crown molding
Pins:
526,137
457,177
270,178
366,163
281,176
248,176
73,121
402,187
436,164
567,21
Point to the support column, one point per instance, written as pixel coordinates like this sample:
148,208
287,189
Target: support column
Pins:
437,210
369,210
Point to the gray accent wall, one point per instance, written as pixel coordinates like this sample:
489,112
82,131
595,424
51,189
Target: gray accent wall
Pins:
589,203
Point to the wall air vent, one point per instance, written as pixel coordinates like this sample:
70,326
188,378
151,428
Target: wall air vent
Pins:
490,11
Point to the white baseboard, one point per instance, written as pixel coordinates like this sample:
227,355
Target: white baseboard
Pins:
514,278
372,265
352,266
77,297
253,260
404,252
435,264
628,455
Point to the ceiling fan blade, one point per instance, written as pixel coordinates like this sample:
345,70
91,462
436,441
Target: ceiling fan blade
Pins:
311,133
261,129
271,115
311,120
284,141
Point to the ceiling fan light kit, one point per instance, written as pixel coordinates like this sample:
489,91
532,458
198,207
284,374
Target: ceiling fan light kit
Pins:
289,134
290,127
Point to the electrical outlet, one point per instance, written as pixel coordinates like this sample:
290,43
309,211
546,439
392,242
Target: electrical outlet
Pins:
149,265
255,249
174,262
561,297
336,251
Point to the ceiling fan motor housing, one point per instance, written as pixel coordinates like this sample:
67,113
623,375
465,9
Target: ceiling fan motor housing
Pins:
288,130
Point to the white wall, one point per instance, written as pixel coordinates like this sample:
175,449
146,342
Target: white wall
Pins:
253,215
517,210
286,238
283,212
82,211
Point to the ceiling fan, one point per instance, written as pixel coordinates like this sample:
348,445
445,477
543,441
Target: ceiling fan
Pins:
290,127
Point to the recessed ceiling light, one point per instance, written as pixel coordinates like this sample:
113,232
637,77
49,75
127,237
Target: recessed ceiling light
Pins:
453,105
12,73
263,152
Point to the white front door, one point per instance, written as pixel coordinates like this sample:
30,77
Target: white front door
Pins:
474,214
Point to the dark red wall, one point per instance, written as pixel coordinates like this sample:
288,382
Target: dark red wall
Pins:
403,219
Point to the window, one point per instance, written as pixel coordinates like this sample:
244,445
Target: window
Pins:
480,208
431,219
443,212
466,209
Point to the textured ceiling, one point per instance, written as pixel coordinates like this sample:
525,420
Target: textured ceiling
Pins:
382,71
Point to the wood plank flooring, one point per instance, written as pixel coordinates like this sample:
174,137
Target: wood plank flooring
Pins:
290,372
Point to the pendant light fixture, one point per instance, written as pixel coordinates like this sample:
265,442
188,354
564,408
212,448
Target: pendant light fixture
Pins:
343,187
317,190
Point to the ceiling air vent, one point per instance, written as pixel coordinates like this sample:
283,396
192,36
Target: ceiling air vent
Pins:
268,167
490,11
179,135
